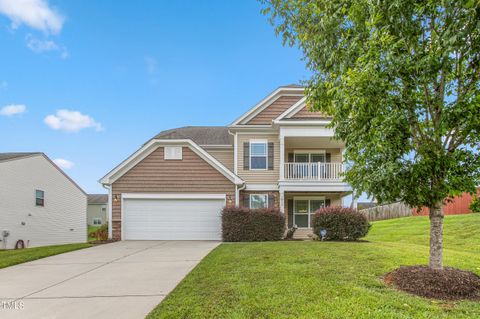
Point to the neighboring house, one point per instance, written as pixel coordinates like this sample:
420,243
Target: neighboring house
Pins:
39,204
278,154
97,209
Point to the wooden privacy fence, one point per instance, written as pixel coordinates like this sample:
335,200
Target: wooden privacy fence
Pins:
388,211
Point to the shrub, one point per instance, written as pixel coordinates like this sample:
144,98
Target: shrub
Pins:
244,224
475,204
341,223
101,233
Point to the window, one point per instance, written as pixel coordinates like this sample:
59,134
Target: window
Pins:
309,157
39,198
258,201
104,209
97,221
304,209
258,155
173,153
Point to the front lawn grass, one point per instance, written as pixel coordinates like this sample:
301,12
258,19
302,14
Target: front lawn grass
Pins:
325,279
19,256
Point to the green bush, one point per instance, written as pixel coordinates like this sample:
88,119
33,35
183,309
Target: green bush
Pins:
341,223
244,224
475,204
101,233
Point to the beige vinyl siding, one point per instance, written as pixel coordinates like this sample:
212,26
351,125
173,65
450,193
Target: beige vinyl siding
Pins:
259,176
154,174
272,111
224,156
336,153
306,114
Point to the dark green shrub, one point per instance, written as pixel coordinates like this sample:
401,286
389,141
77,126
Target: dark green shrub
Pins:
475,204
244,224
341,223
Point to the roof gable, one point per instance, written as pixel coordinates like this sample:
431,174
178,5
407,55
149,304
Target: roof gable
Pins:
153,145
292,93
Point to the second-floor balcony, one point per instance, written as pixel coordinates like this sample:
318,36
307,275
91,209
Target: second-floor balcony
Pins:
313,171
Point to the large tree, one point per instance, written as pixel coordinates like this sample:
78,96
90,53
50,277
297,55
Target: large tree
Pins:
401,80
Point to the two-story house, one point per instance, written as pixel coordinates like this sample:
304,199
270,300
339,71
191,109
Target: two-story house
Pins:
278,154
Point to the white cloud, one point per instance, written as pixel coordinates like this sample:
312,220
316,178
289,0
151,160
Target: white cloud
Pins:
151,64
41,46
35,13
13,109
71,121
63,163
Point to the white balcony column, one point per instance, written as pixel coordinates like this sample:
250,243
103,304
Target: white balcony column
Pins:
282,157
282,200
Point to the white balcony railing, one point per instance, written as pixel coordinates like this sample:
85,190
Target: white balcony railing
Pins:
313,171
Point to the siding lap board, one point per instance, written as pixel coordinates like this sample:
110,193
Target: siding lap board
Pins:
272,111
156,175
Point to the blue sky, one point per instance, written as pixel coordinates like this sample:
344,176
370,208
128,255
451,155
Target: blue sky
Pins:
122,71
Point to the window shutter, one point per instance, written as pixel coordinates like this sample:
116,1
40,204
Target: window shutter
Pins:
271,201
290,213
246,200
328,157
290,157
246,155
327,202
270,155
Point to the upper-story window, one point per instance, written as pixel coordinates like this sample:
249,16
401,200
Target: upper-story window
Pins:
258,154
39,198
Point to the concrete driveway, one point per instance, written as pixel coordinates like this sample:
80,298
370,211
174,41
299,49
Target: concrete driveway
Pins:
119,280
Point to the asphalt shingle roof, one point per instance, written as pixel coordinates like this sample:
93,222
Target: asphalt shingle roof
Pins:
97,198
202,135
11,156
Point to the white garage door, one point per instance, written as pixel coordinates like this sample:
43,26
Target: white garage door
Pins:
172,218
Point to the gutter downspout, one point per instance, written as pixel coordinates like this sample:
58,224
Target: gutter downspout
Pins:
109,188
237,193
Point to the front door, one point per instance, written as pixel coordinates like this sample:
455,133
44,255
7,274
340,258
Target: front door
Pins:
304,209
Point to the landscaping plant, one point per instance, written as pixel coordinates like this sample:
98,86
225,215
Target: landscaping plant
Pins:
245,224
401,81
340,223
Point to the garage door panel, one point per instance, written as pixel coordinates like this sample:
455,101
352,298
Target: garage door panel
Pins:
172,219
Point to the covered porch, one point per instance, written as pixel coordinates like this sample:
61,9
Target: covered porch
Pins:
300,208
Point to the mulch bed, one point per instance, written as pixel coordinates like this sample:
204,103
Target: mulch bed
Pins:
446,284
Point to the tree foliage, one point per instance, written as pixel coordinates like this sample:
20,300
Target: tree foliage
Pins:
401,80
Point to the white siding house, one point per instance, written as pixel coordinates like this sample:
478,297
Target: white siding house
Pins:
39,203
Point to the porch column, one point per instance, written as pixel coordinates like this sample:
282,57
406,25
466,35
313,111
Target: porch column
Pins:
282,157
282,200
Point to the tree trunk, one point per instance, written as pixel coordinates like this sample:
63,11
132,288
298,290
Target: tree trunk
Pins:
436,236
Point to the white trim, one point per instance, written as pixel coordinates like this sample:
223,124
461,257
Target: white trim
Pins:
250,200
294,108
309,151
262,187
302,123
306,197
215,146
235,154
266,102
315,186
257,141
154,144
319,131
172,196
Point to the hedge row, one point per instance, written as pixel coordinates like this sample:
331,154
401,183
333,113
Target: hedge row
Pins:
245,224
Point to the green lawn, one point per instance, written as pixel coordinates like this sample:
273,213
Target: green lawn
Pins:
91,229
18,256
325,279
